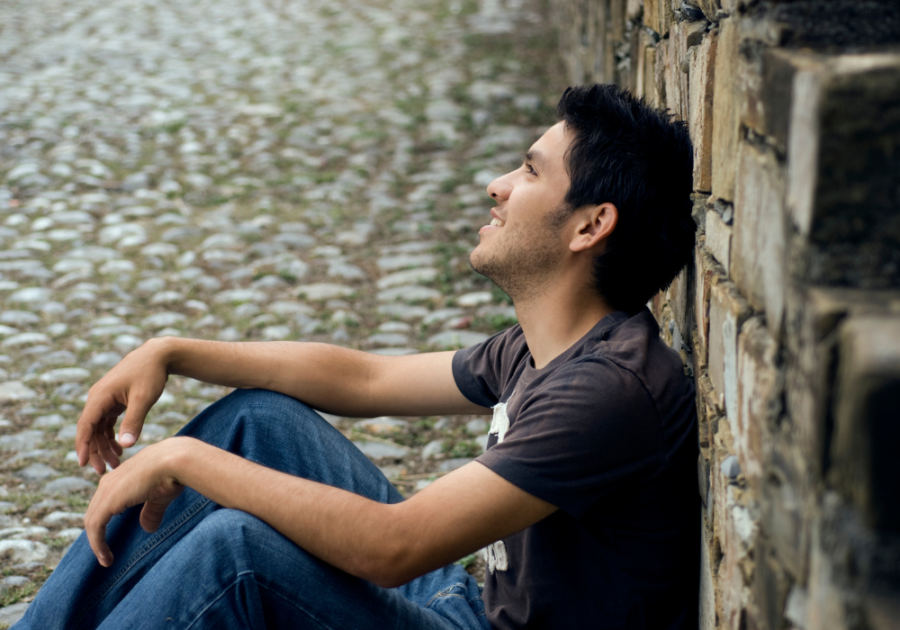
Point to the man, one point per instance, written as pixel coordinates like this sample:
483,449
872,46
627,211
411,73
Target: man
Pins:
259,514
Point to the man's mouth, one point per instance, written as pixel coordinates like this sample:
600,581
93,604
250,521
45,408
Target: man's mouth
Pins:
497,222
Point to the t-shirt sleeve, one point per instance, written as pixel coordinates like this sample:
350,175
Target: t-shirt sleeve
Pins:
587,432
481,370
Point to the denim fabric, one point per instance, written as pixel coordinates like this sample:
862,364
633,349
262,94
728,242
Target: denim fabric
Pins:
210,567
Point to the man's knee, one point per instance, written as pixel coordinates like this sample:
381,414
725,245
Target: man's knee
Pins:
247,544
245,409
229,530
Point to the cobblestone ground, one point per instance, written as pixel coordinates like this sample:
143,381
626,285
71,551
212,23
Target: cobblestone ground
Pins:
242,170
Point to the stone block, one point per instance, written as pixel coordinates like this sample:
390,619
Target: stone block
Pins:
718,239
843,159
786,505
825,605
866,411
661,60
776,92
649,82
705,270
812,318
651,11
680,296
615,21
770,587
758,248
702,79
682,37
759,399
658,16
737,534
633,10
725,110
727,312
705,400
643,86
710,8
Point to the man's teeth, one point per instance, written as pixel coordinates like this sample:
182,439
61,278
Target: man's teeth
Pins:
497,222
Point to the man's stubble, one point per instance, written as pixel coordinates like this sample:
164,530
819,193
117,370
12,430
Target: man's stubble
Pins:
522,264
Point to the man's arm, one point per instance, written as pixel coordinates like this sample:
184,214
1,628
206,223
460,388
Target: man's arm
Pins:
337,380
386,544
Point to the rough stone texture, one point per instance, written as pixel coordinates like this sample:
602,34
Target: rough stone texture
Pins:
702,80
718,238
758,399
758,252
866,429
727,312
705,270
844,148
725,111
788,317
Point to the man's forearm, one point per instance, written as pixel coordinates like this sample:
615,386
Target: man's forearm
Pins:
388,544
351,532
326,377
330,378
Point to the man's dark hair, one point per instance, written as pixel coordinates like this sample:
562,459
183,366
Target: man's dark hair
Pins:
638,158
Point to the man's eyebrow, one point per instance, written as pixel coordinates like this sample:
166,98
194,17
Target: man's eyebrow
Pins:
535,157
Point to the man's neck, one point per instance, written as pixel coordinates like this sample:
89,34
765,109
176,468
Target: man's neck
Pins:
557,317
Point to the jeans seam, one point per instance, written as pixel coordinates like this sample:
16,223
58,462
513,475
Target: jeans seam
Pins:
446,593
237,579
139,554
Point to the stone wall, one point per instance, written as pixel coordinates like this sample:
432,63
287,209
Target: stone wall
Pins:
789,318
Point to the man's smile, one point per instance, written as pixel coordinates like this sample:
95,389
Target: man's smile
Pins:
496,221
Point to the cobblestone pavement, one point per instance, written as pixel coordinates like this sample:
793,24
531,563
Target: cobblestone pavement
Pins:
242,171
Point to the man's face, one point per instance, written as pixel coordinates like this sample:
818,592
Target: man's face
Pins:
523,244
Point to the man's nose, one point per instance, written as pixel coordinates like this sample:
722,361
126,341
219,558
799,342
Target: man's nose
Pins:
500,188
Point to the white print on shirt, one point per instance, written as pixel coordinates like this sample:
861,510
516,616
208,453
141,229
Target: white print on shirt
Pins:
500,421
496,552
496,556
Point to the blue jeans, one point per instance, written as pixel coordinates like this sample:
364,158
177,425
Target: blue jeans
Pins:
211,567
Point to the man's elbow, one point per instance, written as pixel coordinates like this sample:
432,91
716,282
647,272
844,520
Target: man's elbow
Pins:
390,568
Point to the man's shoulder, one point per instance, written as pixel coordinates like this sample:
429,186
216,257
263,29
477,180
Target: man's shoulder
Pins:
635,344
629,361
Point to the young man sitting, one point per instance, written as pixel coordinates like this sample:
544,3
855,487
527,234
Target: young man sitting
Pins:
259,514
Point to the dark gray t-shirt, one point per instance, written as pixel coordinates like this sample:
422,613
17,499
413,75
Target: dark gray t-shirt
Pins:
607,433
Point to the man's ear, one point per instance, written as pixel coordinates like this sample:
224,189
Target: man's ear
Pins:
595,224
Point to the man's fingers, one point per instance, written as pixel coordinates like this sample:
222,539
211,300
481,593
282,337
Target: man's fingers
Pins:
152,515
110,433
95,522
130,431
97,462
87,424
99,412
107,452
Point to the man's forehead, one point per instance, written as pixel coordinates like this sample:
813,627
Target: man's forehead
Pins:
549,150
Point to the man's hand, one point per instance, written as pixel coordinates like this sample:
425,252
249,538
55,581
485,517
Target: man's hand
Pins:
145,478
133,386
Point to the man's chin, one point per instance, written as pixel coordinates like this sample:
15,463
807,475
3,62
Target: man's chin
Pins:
476,263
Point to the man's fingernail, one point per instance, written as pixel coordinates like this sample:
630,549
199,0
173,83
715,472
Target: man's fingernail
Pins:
127,439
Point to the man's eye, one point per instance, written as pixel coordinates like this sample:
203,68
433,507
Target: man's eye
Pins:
530,169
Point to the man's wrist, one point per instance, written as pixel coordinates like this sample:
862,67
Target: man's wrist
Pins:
167,350
181,451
